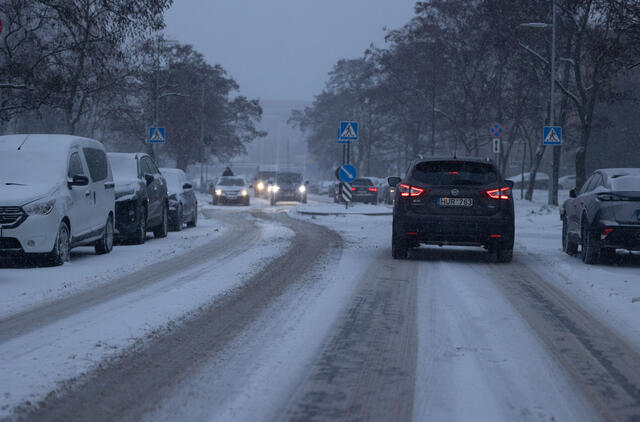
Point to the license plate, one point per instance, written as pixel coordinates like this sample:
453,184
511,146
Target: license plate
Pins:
455,202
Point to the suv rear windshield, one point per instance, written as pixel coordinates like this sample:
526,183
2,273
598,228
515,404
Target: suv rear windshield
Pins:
455,173
363,182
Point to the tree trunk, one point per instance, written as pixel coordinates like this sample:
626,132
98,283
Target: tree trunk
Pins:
533,172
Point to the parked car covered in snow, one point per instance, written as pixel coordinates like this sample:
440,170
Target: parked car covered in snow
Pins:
142,202
183,205
603,215
56,192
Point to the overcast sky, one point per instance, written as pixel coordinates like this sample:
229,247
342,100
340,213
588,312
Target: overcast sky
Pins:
283,49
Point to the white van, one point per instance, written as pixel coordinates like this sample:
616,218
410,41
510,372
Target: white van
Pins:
56,192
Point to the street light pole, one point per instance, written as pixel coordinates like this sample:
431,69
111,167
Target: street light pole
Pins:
555,167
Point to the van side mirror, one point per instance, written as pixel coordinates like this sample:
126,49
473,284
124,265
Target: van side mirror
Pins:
149,178
79,180
393,181
572,193
187,186
306,183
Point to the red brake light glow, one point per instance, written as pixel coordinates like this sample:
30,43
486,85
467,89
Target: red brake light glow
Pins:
502,193
353,188
373,189
406,191
605,233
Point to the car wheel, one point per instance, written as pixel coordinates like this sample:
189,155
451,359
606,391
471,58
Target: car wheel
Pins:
607,255
60,252
140,235
590,251
163,228
504,253
568,246
304,199
194,218
273,200
399,247
105,244
214,201
177,225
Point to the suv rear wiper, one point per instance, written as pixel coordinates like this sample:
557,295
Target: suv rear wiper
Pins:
465,182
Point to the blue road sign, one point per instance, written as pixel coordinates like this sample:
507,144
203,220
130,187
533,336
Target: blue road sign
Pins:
348,131
347,173
552,135
156,135
496,130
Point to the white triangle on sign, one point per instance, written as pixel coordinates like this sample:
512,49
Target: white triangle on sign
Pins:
348,132
157,136
552,137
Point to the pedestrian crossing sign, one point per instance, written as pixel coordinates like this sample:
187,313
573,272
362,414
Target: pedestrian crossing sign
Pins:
156,135
348,131
552,135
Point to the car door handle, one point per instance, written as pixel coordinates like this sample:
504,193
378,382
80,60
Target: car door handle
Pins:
87,193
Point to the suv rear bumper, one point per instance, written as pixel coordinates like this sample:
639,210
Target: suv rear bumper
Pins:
446,230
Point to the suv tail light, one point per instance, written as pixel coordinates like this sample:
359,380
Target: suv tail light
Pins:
502,193
373,189
407,191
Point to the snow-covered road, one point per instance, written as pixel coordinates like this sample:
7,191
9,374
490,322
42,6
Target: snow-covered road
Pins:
265,313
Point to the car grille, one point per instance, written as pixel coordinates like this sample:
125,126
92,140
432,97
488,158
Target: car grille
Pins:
10,243
11,217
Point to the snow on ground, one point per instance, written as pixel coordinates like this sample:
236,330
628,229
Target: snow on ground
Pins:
31,365
609,291
25,286
340,209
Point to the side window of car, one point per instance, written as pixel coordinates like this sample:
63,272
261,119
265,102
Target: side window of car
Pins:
144,166
75,166
97,163
152,166
585,187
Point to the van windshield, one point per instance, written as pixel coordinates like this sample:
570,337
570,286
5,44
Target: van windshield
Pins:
32,168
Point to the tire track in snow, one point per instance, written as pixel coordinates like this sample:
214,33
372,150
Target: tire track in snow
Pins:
138,381
48,313
367,371
605,367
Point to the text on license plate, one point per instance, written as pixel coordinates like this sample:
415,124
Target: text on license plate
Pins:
455,202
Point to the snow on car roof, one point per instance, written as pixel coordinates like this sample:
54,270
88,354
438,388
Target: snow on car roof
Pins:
49,143
618,172
170,170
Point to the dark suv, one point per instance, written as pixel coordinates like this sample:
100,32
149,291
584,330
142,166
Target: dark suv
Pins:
142,202
453,202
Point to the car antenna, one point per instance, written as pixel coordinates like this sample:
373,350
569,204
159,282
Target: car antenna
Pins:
23,141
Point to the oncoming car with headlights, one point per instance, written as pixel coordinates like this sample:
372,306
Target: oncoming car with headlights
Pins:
288,186
261,183
231,190
56,192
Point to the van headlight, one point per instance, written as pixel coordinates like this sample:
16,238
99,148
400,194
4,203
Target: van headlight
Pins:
218,192
302,189
260,186
40,207
244,192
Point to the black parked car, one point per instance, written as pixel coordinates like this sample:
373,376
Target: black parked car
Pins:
288,186
453,202
183,205
141,197
603,215
364,190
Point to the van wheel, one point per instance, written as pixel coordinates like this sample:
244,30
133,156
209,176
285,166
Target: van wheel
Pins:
105,244
60,252
163,228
